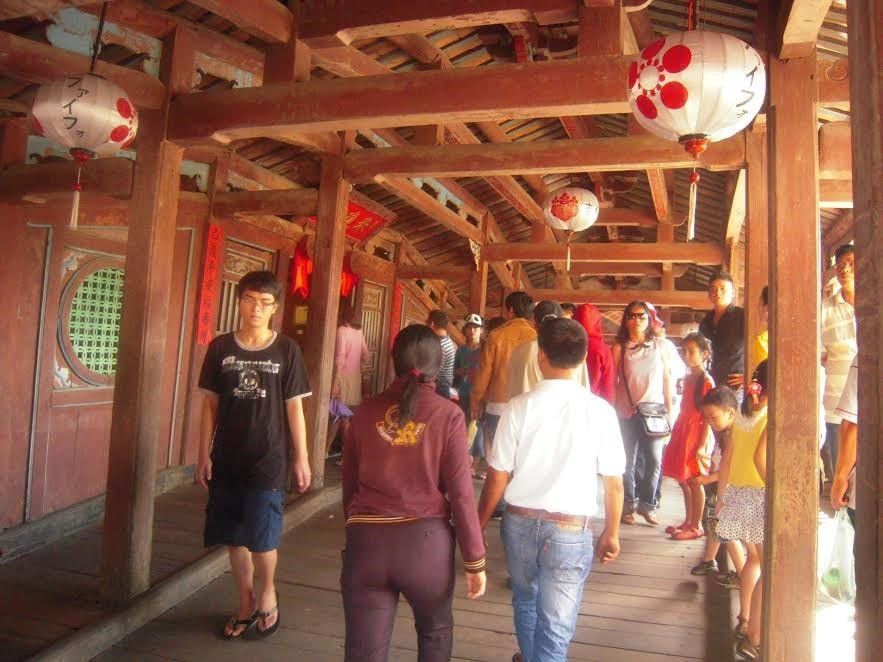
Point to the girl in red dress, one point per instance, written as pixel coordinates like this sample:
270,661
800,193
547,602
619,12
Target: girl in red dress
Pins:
688,454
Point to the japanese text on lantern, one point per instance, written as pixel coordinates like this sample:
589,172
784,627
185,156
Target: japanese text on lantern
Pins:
75,84
210,276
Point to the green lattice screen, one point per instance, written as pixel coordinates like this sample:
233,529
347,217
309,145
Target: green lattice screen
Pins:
94,323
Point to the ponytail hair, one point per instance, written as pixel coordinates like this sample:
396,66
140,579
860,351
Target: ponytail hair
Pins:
417,356
758,387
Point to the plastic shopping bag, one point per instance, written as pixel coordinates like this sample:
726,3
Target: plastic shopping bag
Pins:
837,565
471,431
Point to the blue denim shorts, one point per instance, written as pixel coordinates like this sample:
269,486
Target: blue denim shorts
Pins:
243,517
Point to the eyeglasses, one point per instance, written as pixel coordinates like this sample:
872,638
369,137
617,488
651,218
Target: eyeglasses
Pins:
636,316
257,303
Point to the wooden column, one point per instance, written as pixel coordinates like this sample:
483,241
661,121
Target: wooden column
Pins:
478,288
757,255
291,61
137,407
666,232
865,69
324,302
793,429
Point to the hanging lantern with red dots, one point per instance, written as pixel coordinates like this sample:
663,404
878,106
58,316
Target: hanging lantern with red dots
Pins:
696,87
571,209
87,114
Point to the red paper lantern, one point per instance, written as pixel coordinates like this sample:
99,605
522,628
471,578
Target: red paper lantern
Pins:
571,209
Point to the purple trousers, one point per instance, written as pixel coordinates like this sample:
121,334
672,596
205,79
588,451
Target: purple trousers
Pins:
382,561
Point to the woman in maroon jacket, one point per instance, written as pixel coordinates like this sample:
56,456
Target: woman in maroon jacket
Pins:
406,471
599,358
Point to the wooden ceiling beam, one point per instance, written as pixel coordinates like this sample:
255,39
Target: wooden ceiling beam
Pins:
835,193
667,298
108,176
349,20
422,201
800,22
736,219
495,134
146,18
280,202
624,269
434,272
267,20
693,252
29,60
543,157
835,150
584,86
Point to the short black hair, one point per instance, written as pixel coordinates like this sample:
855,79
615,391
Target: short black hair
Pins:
845,249
439,319
545,309
520,303
494,323
721,396
765,295
568,306
259,281
563,341
721,275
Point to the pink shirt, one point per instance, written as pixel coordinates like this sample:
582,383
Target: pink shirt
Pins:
350,350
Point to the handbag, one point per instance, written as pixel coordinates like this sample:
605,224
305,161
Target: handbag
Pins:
653,417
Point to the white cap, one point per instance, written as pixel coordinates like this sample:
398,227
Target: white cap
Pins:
473,319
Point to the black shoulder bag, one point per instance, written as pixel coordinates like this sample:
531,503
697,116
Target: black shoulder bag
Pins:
654,418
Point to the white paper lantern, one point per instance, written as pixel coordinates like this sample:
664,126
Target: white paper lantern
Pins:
571,209
87,114
696,87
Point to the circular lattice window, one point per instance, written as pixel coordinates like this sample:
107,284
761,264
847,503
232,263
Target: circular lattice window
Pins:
89,326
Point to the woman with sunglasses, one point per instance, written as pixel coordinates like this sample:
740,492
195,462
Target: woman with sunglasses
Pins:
642,375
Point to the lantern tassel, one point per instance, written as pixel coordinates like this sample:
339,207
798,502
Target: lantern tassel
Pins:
75,210
567,235
691,206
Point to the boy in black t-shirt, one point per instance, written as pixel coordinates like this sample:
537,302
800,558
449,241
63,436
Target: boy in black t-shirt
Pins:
254,381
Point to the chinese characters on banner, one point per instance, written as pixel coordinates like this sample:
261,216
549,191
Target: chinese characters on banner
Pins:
210,277
360,222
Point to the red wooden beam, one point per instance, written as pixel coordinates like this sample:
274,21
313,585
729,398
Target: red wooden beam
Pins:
297,202
268,20
349,20
542,157
673,298
110,176
585,87
34,62
694,252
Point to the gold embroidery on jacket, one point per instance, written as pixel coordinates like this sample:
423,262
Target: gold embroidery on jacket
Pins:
406,435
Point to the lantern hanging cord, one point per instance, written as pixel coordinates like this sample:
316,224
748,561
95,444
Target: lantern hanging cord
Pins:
691,15
96,46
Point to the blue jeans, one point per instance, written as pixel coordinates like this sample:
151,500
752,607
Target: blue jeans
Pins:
549,564
640,491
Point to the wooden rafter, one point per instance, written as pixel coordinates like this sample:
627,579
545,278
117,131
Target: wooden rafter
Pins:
625,269
296,202
585,86
432,272
545,157
349,20
268,20
694,252
800,22
672,298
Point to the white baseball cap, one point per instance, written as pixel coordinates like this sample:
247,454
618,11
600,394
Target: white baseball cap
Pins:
473,319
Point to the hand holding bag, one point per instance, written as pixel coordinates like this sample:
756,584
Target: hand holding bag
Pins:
653,416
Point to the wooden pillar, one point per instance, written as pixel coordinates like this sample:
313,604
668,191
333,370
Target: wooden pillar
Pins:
324,302
793,429
137,407
666,232
289,62
865,69
757,256
478,287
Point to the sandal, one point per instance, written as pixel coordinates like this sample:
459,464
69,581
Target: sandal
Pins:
705,568
747,650
687,533
649,516
263,616
628,518
234,622
671,529
741,628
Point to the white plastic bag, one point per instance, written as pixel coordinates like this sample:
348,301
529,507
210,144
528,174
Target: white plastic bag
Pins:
837,565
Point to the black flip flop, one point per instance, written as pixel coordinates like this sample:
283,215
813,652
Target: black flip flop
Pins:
257,633
237,622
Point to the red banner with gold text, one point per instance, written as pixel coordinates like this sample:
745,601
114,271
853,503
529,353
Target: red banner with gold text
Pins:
211,275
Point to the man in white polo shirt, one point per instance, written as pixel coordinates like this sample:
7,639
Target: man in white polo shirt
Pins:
551,444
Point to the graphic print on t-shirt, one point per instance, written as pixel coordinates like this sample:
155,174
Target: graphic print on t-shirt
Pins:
251,380
407,435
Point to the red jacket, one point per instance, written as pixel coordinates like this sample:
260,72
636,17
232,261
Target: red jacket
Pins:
599,358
